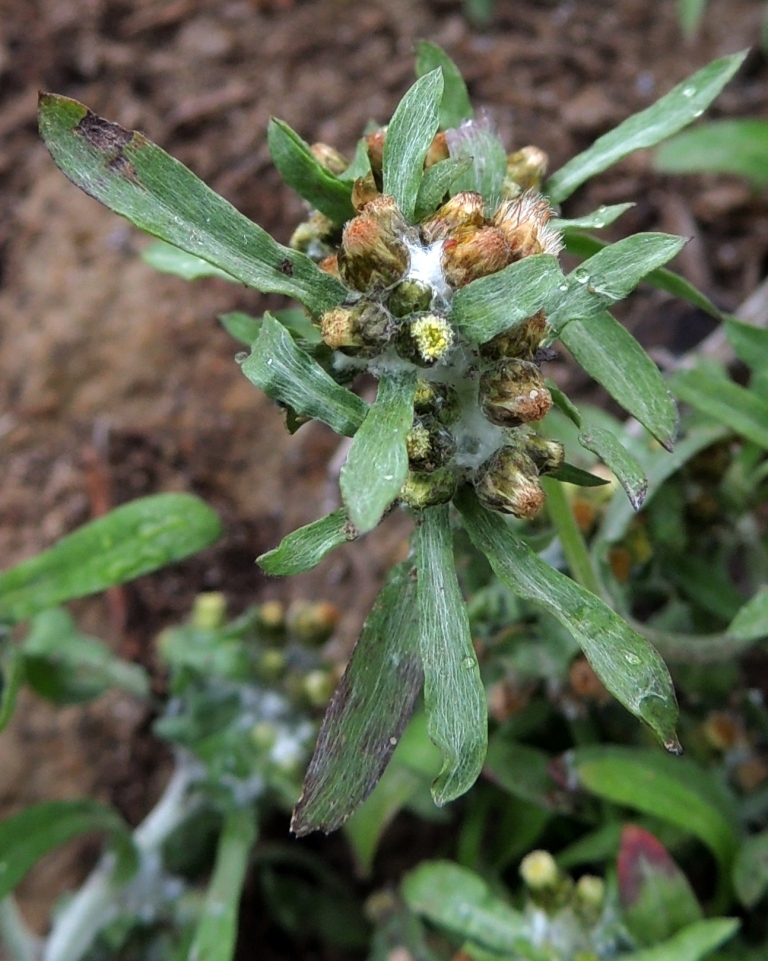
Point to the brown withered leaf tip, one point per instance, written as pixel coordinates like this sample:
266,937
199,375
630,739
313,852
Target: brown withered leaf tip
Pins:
110,139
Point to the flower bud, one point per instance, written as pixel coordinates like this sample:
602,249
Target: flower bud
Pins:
513,392
472,252
429,445
525,224
547,455
364,190
422,489
438,150
373,250
329,158
539,871
439,400
317,687
521,341
312,622
425,339
375,144
316,237
209,610
465,209
508,482
525,171
340,329
330,265
409,297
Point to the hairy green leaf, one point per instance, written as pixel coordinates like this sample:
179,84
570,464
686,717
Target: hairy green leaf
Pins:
377,462
436,183
306,175
737,147
490,305
671,113
602,217
612,452
454,696
724,401
568,474
612,356
455,105
476,140
290,376
624,661
131,540
139,181
409,135
368,711
305,548
168,259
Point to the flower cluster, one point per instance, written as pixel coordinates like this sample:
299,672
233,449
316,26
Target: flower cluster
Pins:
474,402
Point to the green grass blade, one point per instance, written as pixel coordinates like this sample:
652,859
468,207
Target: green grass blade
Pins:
135,178
130,541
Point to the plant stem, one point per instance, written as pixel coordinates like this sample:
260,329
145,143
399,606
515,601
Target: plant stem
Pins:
14,933
97,902
572,540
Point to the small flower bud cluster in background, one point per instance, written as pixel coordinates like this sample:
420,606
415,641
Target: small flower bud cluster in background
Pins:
474,403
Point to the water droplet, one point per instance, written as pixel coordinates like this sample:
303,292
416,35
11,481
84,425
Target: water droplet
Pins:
468,663
269,362
699,113
599,224
631,658
241,356
562,287
689,91
580,276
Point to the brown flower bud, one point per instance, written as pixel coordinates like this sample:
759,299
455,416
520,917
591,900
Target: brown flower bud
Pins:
438,150
525,224
365,328
375,144
422,489
525,171
521,341
508,482
513,392
409,297
373,251
330,265
340,329
329,158
547,455
316,237
465,209
429,445
364,190
472,252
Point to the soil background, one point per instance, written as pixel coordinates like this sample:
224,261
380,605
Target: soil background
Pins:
117,382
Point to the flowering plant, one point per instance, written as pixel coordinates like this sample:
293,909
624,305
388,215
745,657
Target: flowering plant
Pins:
430,262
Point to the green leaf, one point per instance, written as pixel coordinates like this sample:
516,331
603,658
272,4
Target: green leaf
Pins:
612,356
368,712
455,105
454,696
626,663
583,245
724,401
306,175
612,452
28,836
241,326
610,275
671,113
673,789
750,870
568,474
721,147
305,548
377,462
130,541
246,329
409,135
477,140
68,667
168,259
524,772
694,943
11,676
139,181
492,304
290,376
690,13
361,163
459,901
602,217
751,623
436,183
216,932
750,343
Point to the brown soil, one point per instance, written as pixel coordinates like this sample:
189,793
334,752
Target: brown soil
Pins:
116,381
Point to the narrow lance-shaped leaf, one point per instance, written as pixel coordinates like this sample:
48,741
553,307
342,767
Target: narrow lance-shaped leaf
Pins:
737,147
28,836
477,140
436,183
671,113
626,663
305,548
216,932
11,675
612,356
602,217
301,170
130,541
409,135
612,452
168,259
750,343
454,696
724,401
694,943
609,276
492,304
455,105
377,462
368,711
568,474
139,181
752,620
584,245
750,871
290,376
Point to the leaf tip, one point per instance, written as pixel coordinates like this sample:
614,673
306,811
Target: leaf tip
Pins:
673,746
